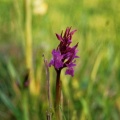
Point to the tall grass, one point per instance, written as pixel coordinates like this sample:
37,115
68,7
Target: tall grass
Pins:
93,93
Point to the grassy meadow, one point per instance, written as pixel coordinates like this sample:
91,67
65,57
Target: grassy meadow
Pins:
27,31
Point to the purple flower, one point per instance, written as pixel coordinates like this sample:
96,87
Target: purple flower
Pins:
64,55
56,60
70,71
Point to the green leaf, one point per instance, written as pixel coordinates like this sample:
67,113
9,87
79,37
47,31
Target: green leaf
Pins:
10,105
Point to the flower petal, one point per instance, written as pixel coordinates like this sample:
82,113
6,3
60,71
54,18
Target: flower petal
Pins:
70,71
59,37
72,32
51,63
57,59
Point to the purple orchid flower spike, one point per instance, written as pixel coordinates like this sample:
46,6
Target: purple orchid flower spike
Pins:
64,55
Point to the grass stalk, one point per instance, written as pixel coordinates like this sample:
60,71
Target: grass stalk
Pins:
48,115
25,106
28,44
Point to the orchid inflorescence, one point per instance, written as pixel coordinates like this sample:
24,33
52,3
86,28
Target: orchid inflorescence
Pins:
64,55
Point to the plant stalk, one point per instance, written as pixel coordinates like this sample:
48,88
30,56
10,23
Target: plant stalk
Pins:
58,95
25,106
28,44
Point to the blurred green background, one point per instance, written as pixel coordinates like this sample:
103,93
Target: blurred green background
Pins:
94,92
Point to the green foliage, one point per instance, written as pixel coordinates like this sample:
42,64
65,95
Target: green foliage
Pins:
93,93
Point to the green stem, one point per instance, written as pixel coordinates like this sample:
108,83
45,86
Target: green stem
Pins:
28,44
28,33
25,106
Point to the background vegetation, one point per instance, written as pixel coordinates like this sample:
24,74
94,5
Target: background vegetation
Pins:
94,92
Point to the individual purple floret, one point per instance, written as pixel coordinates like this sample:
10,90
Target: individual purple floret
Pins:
64,55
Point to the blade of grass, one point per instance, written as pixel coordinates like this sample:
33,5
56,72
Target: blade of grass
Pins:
10,106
